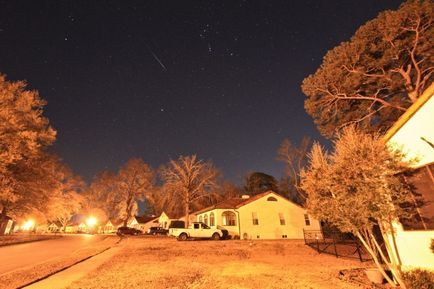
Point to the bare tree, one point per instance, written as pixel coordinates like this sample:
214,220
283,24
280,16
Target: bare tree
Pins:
294,157
103,195
188,180
135,181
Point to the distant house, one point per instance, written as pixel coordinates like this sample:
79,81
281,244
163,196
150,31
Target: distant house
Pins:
143,223
166,222
414,134
54,227
111,226
263,216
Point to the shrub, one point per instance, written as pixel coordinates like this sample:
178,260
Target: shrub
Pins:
419,279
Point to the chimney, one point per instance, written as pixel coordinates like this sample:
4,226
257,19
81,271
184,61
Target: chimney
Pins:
245,196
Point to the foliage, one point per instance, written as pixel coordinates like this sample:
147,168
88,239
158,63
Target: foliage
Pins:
295,158
258,182
373,78
187,181
356,187
66,198
44,186
419,279
24,131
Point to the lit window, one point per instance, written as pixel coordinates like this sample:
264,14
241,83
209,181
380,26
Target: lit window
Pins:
255,218
205,219
211,219
272,199
282,219
306,219
229,219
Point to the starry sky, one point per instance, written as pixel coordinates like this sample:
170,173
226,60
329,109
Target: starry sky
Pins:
159,79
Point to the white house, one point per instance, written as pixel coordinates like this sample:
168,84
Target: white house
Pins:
165,221
263,216
143,223
414,134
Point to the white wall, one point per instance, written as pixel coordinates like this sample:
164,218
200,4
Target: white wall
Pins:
408,137
414,248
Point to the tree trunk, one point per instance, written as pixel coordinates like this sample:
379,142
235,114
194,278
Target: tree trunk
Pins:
376,261
3,221
187,214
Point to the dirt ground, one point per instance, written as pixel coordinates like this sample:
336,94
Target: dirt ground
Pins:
167,263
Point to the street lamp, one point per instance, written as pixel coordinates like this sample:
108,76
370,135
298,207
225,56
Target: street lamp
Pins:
91,221
28,225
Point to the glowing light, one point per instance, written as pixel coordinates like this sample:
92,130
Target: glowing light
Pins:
28,225
91,221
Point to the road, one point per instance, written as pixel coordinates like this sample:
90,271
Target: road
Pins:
22,255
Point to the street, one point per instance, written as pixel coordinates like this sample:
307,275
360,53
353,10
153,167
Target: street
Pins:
22,255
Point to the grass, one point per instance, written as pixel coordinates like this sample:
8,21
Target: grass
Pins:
166,263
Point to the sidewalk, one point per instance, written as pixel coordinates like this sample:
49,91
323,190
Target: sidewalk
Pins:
65,278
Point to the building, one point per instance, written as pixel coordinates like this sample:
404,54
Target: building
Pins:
110,227
263,216
143,223
55,227
414,134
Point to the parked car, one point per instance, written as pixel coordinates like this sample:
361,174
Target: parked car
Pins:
128,231
198,230
157,231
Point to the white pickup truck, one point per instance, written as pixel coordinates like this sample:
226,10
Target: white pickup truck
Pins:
198,230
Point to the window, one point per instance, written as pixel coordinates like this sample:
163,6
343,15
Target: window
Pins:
282,219
211,219
255,218
306,219
229,219
200,218
272,199
196,226
205,219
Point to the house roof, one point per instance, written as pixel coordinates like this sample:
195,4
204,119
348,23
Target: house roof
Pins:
145,219
235,203
408,114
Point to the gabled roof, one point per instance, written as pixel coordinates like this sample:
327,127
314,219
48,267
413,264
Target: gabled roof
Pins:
145,219
115,222
408,114
235,203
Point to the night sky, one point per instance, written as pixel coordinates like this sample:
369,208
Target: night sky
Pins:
159,79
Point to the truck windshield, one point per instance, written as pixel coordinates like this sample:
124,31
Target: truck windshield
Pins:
205,226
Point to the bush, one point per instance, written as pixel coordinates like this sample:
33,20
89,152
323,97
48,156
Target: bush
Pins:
419,279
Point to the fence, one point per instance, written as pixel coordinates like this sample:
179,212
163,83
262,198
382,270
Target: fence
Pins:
336,243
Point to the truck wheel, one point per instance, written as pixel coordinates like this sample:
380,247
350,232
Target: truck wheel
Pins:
183,237
215,236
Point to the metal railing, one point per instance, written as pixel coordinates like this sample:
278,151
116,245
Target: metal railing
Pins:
336,243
